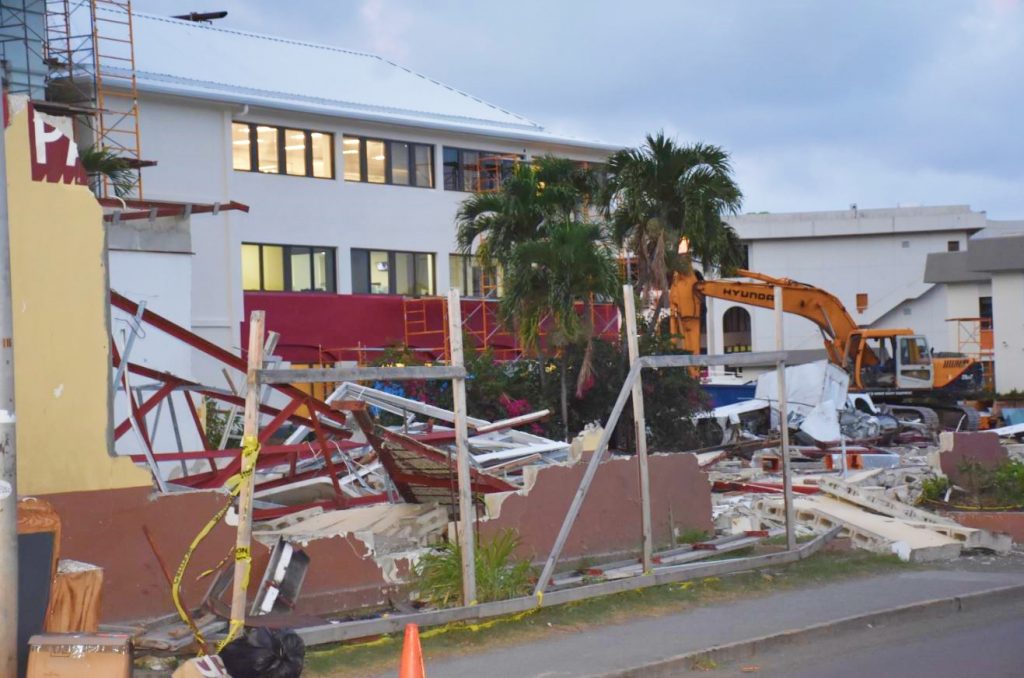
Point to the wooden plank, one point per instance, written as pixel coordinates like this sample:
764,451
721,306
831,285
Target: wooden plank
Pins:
639,427
514,422
467,512
787,468
314,375
243,537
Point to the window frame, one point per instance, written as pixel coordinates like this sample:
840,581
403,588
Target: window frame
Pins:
392,281
468,262
388,176
282,157
460,165
286,267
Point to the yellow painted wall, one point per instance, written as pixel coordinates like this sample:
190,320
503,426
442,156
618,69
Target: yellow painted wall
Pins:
61,336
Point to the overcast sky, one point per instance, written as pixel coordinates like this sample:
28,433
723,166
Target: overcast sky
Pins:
821,103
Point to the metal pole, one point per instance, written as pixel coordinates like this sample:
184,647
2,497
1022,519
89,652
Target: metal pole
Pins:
243,538
8,464
466,509
639,425
787,479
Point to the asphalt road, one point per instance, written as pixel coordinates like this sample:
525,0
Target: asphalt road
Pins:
988,642
599,650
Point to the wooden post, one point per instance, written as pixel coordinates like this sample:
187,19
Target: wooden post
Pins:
787,479
466,508
639,425
251,431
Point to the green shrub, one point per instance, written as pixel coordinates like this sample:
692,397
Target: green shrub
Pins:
934,489
498,575
1008,482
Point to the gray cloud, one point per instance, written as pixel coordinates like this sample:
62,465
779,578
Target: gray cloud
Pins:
821,102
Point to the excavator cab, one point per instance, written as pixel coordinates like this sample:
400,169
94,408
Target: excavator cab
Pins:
889,360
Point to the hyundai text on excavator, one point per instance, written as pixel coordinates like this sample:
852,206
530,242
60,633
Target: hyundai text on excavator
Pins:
894,366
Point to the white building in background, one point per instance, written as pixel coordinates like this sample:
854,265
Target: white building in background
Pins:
352,165
990,270
873,260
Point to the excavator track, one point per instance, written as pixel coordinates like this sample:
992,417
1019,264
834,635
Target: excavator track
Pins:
926,417
938,417
958,417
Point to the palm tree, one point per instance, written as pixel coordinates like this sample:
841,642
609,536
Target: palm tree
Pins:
662,192
103,164
550,189
546,279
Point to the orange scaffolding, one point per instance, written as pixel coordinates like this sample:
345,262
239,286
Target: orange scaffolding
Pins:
974,338
92,74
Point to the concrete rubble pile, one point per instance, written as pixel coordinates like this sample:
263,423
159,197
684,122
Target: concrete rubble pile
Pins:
853,465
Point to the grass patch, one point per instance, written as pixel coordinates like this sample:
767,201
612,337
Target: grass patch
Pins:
692,536
780,540
349,660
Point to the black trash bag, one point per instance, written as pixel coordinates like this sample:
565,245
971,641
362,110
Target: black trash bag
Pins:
265,653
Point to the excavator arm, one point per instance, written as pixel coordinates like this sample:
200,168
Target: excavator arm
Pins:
806,301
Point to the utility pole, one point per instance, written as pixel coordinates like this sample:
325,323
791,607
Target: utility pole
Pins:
8,459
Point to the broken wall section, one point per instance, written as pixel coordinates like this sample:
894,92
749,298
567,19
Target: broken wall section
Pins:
609,522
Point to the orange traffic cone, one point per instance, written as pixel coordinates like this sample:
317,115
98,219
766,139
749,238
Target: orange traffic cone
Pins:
412,654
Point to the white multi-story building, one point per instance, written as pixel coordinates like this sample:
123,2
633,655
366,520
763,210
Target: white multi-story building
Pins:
353,167
985,280
873,260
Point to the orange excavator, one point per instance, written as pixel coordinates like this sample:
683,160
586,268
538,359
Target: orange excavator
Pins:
894,365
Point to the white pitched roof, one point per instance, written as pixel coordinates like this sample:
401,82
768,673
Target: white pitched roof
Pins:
207,61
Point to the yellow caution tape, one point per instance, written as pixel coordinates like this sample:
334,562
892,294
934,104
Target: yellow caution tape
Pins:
972,508
250,452
179,575
452,626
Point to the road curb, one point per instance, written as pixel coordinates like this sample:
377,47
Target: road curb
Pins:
746,649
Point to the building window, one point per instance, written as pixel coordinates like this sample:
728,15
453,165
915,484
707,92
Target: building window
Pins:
467,273
288,268
736,330
476,171
953,246
241,146
389,272
985,311
379,161
862,302
745,256
282,150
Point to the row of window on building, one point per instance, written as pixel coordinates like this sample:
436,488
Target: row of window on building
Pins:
301,268
272,149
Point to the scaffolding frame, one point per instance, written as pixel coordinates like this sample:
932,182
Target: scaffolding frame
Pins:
23,46
77,58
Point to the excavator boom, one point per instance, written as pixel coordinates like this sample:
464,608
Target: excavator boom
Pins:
806,301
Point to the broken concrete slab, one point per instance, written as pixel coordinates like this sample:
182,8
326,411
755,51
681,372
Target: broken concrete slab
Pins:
970,537
881,534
